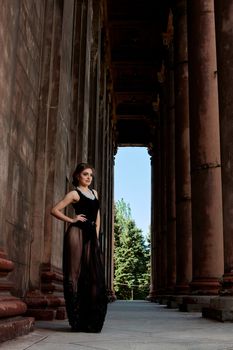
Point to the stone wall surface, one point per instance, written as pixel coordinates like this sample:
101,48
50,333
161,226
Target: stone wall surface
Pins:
9,17
63,167
21,36
53,75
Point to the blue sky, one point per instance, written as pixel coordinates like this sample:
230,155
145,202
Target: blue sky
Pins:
132,177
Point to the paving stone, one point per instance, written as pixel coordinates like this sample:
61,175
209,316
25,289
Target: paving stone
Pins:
132,325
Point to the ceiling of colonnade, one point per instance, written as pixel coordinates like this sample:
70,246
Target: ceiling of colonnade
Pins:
136,29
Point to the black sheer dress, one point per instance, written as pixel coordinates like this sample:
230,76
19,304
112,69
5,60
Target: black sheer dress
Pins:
84,282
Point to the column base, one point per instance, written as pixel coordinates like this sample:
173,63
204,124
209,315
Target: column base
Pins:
11,306
16,326
170,290
152,297
12,309
220,309
48,303
227,284
111,295
162,296
163,299
182,289
46,307
195,303
174,301
205,286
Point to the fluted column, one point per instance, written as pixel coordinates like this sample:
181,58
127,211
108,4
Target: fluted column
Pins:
157,216
163,195
93,127
224,33
111,293
183,178
171,197
153,279
108,197
84,82
205,149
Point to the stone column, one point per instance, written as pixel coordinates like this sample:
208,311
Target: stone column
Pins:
183,178
94,84
12,309
111,227
224,33
207,223
171,197
97,86
12,323
111,294
102,159
163,199
153,278
45,299
108,194
97,111
83,87
156,215
76,123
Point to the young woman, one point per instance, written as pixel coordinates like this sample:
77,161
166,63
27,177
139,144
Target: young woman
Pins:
84,284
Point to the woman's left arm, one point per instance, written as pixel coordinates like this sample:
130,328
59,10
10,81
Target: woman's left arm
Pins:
97,222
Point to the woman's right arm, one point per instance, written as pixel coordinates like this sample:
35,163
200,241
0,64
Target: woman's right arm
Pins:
56,211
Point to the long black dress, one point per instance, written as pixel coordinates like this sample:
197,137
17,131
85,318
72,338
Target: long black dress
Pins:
84,282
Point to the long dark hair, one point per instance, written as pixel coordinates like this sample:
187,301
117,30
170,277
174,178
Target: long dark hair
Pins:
79,168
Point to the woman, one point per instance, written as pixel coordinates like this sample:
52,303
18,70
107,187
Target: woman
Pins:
84,285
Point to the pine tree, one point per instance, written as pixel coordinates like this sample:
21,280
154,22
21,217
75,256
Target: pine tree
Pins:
131,258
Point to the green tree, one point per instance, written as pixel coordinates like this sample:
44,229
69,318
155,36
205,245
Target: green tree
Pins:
131,256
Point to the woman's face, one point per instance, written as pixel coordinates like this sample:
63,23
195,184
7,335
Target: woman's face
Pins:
85,177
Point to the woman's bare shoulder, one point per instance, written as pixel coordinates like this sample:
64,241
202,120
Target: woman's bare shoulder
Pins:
73,195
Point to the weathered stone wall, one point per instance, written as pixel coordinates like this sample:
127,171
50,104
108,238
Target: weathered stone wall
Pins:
62,161
9,17
55,111
46,140
21,39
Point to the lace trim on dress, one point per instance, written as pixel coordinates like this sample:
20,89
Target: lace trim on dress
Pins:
89,194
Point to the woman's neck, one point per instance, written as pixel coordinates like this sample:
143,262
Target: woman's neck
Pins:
83,188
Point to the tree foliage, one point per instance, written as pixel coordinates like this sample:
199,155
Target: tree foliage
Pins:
131,256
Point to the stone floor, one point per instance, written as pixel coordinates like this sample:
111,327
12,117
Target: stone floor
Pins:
132,325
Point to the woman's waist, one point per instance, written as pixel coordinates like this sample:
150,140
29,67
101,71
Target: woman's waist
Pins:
88,216
89,223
